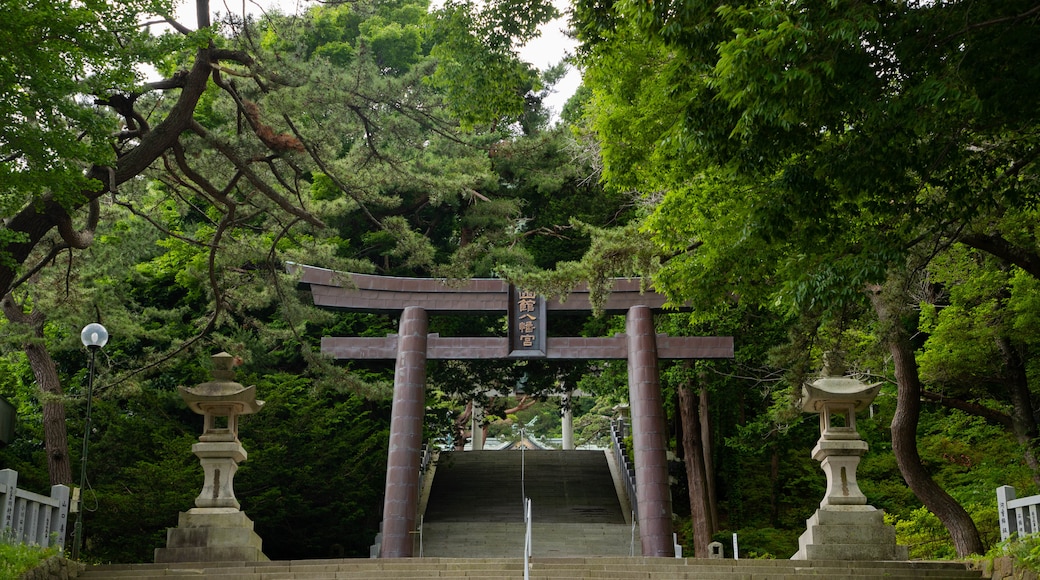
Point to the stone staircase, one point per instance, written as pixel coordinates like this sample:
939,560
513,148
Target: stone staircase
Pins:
486,486
475,506
473,530
541,569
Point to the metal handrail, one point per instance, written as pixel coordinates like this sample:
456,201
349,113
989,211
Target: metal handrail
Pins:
527,539
632,544
425,458
523,470
628,472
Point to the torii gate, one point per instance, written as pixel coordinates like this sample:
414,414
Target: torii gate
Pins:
414,298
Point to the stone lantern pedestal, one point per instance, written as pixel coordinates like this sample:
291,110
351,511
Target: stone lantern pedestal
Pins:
216,530
845,527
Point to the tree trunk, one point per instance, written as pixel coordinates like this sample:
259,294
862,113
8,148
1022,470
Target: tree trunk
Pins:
707,448
1023,422
55,434
774,485
696,474
962,529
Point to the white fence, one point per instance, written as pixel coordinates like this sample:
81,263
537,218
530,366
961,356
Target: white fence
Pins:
31,518
1017,515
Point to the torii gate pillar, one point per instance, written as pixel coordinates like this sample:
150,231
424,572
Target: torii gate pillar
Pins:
406,425
649,442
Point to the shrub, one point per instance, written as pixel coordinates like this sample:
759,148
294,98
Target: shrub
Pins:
17,559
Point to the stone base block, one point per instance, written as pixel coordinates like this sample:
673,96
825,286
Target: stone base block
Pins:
208,554
849,533
211,535
373,550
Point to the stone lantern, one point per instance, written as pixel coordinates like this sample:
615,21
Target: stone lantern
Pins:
845,527
215,529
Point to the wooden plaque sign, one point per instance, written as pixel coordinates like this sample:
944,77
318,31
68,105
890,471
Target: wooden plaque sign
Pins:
526,324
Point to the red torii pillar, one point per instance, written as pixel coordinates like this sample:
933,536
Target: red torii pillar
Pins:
406,426
649,440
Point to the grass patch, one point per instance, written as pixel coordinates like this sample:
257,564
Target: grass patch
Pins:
17,559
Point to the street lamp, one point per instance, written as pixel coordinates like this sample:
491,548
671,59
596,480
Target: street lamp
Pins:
94,336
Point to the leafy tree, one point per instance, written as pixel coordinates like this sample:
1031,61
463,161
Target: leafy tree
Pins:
176,201
250,148
476,49
317,456
799,153
980,344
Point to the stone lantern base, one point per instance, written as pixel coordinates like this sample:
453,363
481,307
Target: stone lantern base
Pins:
211,535
849,532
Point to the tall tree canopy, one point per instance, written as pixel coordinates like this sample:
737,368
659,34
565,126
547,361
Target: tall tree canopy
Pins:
829,136
799,153
329,136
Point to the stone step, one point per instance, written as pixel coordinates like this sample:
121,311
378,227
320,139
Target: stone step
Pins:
488,486
475,506
607,568
505,540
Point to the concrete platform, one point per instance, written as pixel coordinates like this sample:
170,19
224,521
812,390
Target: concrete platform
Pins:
541,569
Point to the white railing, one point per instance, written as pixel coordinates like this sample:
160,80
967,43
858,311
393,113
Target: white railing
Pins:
527,508
523,473
426,455
618,429
632,542
527,539
1017,515
31,518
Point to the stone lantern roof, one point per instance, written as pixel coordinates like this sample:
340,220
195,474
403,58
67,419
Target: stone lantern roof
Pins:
833,388
222,391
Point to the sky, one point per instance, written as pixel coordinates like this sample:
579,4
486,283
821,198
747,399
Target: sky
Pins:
549,49
546,50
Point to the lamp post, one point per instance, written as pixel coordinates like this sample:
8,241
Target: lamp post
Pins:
94,336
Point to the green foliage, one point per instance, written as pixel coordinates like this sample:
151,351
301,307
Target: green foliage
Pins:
789,155
140,473
316,467
592,422
763,161
785,147
928,539
989,310
476,51
1024,550
16,559
57,53
759,542
612,253
924,534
